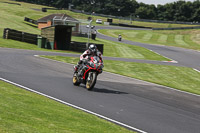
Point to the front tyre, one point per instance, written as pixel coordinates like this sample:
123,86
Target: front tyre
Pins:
75,80
91,80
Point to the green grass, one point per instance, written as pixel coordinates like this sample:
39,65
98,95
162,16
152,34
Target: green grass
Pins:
23,111
181,78
4,43
179,38
158,25
116,49
12,16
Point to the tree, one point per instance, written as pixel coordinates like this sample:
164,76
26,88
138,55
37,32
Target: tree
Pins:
176,11
161,12
146,12
196,16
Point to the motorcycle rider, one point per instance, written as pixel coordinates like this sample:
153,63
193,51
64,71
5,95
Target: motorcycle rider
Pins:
119,37
91,51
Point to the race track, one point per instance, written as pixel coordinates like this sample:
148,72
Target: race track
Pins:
146,107
142,105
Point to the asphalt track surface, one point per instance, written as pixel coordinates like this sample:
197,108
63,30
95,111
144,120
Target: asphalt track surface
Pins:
146,106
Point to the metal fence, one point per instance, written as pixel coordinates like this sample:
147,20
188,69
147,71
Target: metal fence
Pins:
177,28
128,25
20,36
169,22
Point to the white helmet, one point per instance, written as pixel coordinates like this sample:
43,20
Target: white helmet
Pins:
93,48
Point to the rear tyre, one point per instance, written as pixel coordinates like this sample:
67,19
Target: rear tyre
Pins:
91,80
75,80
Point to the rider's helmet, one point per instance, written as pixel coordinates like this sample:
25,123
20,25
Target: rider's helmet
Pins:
93,48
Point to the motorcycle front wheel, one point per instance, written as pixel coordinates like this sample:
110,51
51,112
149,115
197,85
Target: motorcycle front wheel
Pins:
75,80
91,80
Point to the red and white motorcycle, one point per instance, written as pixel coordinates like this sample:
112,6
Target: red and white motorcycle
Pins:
87,74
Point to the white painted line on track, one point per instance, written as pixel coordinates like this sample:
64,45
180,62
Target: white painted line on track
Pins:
74,106
172,61
196,70
39,56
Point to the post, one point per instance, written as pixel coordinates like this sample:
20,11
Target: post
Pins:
7,30
89,32
22,36
5,34
119,14
130,19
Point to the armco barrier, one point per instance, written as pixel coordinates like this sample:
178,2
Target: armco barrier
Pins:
177,28
169,22
127,25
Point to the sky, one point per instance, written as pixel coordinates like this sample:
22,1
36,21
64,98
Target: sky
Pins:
156,2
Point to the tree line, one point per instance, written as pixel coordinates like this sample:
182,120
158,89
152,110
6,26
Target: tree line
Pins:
176,11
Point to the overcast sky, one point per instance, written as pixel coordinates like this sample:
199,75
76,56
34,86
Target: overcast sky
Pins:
156,2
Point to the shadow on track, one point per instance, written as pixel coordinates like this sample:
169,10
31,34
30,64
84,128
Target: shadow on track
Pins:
101,90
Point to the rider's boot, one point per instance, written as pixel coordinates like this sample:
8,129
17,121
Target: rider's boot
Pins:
77,67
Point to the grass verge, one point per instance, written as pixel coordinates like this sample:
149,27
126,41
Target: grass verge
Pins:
178,38
181,78
8,43
116,49
24,111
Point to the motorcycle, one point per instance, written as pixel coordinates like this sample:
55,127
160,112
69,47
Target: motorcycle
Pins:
88,72
119,38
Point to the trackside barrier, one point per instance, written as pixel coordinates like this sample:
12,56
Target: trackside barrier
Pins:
81,47
131,26
177,28
20,36
42,41
30,20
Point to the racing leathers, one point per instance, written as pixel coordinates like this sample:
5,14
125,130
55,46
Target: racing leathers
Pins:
84,57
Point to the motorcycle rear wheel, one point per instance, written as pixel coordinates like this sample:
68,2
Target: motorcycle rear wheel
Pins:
75,80
92,76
